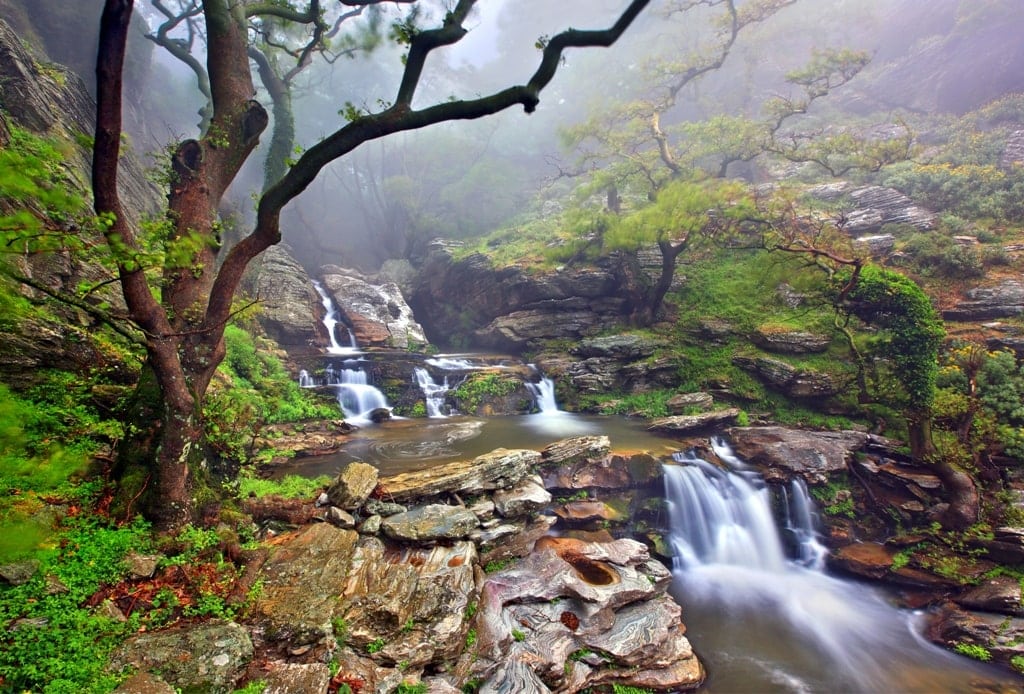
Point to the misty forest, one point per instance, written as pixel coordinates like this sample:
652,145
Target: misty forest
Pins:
608,346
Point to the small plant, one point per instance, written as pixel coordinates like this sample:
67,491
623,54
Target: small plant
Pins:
407,688
497,565
518,635
472,686
254,687
973,650
375,646
470,612
628,689
1017,662
409,625
470,638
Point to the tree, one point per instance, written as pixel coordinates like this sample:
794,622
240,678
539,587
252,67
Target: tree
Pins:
160,466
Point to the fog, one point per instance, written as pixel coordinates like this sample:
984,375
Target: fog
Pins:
465,179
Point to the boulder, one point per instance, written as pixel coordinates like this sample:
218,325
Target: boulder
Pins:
679,424
525,498
575,449
624,347
1001,636
813,455
683,402
289,305
377,314
1002,300
430,523
207,656
145,683
868,208
499,469
785,341
288,678
353,486
1001,595
790,380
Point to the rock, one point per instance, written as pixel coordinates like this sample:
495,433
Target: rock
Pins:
622,347
587,511
413,600
521,544
869,208
339,518
19,572
145,683
876,562
1007,547
377,314
294,512
1001,595
609,472
291,678
1001,636
577,448
1013,152
786,341
371,526
525,498
379,414
498,469
353,486
142,565
809,454
207,656
683,402
383,508
301,582
289,303
688,423
1002,300
430,523
790,380
878,245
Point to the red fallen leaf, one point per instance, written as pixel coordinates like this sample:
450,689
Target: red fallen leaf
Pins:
571,621
354,683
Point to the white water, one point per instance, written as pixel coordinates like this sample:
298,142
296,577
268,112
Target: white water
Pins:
765,622
544,394
356,396
433,393
331,323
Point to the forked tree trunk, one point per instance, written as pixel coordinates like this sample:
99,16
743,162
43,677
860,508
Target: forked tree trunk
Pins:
961,492
669,254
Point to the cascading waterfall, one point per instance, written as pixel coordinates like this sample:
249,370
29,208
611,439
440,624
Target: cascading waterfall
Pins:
433,393
356,396
331,323
544,394
765,621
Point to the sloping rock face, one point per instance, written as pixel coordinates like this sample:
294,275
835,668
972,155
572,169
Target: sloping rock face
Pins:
809,454
377,313
290,305
869,208
510,310
790,380
1003,300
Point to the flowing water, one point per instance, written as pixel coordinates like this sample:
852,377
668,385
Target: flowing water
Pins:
764,617
331,322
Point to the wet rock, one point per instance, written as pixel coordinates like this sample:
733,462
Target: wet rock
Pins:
575,449
683,402
294,512
1001,636
568,319
353,486
383,508
1007,547
877,245
1002,300
609,472
1013,153
322,438
371,526
207,656
377,314
687,423
810,454
1001,595
525,498
878,562
339,518
790,380
789,341
430,523
498,469
518,545
587,511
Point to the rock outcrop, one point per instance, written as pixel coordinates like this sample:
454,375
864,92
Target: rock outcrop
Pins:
809,454
377,313
869,208
289,304
1003,300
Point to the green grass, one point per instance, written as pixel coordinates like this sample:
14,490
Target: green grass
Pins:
289,487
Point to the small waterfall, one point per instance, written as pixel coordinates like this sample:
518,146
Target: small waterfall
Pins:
433,393
305,380
767,622
544,394
356,396
331,323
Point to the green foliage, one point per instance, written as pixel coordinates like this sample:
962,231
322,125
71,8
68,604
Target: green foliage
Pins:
650,404
518,635
940,256
973,650
914,329
289,487
470,638
375,646
261,393
254,687
498,565
627,689
49,641
478,386
407,688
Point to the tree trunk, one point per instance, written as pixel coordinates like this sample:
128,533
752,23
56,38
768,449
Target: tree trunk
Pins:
961,493
669,253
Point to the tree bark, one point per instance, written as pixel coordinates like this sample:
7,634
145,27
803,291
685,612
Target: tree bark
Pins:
669,254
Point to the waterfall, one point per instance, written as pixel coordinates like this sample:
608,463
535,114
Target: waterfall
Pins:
331,322
433,393
544,394
355,394
768,621
305,380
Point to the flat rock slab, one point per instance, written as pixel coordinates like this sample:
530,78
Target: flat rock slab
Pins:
499,469
813,455
431,523
686,423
